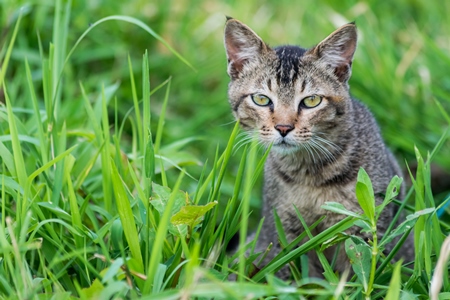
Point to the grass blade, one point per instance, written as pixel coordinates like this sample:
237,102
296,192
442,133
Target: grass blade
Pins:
132,21
395,284
5,62
126,215
162,118
161,232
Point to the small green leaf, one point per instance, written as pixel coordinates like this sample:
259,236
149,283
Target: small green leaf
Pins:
178,230
392,191
117,234
406,225
117,290
365,227
189,215
360,258
337,239
340,209
113,270
93,292
161,196
408,295
365,195
419,213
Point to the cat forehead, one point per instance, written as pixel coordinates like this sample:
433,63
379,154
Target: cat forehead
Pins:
291,73
289,63
286,70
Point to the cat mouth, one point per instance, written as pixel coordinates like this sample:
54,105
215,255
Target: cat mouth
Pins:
283,144
284,147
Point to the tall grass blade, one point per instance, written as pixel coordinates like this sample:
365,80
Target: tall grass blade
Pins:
126,215
19,162
137,110
60,34
106,156
247,189
393,292
146,119
5,62
37,113
161,120
132,21
161,232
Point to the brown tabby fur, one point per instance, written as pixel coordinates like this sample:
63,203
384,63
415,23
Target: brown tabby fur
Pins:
316,152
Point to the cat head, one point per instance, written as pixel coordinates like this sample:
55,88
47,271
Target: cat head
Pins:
292,98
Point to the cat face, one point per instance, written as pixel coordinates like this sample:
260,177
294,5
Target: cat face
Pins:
292,98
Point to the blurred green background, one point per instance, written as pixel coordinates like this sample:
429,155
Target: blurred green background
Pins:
401,65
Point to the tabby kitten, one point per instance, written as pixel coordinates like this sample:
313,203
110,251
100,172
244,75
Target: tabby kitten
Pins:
298,100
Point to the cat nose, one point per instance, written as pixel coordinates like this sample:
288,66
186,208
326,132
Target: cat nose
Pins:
284,129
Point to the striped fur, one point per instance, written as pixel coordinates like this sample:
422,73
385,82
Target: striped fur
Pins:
317,161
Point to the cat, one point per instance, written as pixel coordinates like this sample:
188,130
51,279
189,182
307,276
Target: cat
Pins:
298,101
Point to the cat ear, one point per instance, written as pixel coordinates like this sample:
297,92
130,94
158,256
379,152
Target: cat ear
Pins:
242,45
337,50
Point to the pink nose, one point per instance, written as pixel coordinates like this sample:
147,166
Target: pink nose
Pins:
284,129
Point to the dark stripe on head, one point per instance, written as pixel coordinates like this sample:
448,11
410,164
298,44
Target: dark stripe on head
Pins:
303,86
269,84
289,63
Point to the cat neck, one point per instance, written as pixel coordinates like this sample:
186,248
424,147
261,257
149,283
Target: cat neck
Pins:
311,167
304,158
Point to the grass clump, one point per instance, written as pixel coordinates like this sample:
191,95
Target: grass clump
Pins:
102,198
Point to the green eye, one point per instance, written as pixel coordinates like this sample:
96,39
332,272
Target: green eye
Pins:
312,101
261,100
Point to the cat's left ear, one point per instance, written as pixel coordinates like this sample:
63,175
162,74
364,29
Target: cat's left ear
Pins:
337,50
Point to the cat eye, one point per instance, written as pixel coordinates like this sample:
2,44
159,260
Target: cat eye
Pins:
312,101
261,100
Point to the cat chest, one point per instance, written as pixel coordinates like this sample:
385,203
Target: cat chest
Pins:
309,200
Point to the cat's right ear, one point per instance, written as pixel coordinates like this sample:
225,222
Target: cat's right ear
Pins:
242,45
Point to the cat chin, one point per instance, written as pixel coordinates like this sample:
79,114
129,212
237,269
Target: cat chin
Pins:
284,149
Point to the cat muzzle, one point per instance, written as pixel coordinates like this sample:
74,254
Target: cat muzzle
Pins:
284,129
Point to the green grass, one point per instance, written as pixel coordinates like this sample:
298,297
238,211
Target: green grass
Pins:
119,170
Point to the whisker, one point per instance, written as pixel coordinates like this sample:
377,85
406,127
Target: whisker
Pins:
324,138
255,145
307,146
314,148
246,133
241,143
228,123
322,144
328,155
329,143
245,138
